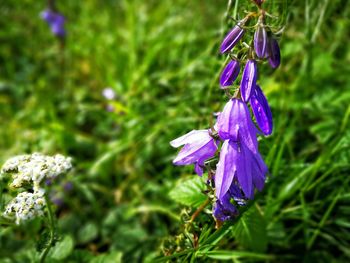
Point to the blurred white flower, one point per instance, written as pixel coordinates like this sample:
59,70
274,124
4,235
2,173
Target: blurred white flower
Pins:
108,93
26,206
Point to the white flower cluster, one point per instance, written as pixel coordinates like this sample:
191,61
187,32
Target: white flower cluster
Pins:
32,169
35,167
26,206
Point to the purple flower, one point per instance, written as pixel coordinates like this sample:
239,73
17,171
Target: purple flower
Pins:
199,146
230,73
223,209
262,111
234,123
249,78
239,164
232,38
260,41
56,22
274,53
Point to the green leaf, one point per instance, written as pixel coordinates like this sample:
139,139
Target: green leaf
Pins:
63,248
250,230
189,192
87,233
226,255
113,257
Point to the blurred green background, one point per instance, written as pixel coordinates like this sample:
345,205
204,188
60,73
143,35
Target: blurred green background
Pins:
161,58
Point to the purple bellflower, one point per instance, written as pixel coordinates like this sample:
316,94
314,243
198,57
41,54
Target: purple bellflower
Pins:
56,22
260,41
249,78
274,52
223,208
234,123
239,164
230,73
262,111
199,146
232,38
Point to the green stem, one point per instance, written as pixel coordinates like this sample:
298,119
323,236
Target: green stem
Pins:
52,229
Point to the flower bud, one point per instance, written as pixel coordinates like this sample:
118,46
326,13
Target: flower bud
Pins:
260,41
249,77
274,53
261,110
232,37
230,73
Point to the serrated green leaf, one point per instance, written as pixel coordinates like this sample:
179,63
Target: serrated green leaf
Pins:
63,248
189,192
250,230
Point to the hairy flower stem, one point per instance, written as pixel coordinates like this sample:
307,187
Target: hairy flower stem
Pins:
199,210
52,229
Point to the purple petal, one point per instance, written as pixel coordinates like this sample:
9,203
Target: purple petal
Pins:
274,53
259,172
262,111
260,41
226,168
244,170
191,137
234,123
230,73
224,210
232,38
249,78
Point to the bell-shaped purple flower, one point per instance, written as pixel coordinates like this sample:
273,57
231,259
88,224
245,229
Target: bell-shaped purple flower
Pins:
234,123
260,41
239,164
262,111
232,38
56,22
199,146
249,78
274,52
223,209
230,73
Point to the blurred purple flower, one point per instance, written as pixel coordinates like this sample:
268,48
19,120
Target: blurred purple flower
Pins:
199,146
56,22
238,163
68,186
109,93
230,73
234,123
262,111
260,41
274,52
249,78
232,38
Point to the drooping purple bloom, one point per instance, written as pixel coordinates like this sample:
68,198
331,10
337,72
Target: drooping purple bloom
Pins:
230,73
234,123
261,110
199,146
249,78
274,52
223,209
232,38
260,41
239,164
56,22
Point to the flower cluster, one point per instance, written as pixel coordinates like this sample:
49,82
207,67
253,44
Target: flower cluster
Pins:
56,22
35,167
29,171
240,169
26,206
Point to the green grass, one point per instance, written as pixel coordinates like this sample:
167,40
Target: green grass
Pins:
161,58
